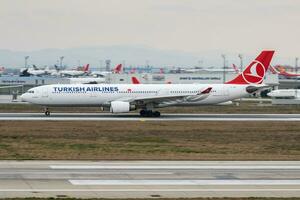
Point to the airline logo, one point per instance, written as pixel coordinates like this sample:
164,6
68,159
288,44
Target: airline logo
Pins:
255,73
84,89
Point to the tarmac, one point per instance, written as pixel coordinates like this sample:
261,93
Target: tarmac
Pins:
136,117
144,179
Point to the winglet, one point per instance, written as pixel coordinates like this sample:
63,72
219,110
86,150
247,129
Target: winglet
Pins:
206,91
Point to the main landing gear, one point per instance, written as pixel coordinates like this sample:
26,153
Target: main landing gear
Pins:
149,113
47,112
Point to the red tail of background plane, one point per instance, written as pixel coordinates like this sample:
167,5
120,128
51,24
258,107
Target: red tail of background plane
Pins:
134,80
86,67
256,71
118,69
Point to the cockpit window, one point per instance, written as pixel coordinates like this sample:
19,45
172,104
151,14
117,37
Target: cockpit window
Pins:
31,91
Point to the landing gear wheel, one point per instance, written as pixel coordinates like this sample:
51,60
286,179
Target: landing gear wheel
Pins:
47,113
156,114
149,113
143,113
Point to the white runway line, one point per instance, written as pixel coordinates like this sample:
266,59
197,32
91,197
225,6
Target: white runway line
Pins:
250,167
144,119
135,117
184,182
154,190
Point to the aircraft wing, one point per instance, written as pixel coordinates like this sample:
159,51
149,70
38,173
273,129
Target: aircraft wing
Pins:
11,86
168,98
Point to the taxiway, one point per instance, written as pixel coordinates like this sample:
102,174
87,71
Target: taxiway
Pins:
134,179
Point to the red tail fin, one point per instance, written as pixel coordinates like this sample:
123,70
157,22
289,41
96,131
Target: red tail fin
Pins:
134,80
256,71
235,69
118,69
86,67
161,71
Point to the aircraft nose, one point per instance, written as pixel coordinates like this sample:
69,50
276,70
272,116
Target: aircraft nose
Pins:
24,97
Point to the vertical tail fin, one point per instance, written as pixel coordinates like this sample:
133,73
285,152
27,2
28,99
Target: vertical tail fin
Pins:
118,69
134,80
35,67
256,71
86,68
235,69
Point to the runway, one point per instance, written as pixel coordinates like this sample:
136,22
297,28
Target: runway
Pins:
142,179
136,117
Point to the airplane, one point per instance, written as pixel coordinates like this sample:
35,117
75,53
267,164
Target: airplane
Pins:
282,71
285,93
75,73
122,98
116,70
34,71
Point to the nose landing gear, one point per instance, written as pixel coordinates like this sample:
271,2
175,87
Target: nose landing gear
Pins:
47,112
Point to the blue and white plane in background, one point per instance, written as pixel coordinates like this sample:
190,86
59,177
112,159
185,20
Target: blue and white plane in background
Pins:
122,98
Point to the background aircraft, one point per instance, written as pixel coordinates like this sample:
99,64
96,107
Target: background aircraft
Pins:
32,71
282,71
117,70
1,70
73,73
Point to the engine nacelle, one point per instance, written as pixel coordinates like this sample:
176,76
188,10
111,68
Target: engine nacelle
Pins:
120,107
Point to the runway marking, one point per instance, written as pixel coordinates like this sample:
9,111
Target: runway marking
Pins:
174,167
135,117
184,182
138,119
154,190
88,172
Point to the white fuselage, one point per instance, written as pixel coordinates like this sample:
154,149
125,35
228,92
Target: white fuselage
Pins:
71,73
36,72
103,94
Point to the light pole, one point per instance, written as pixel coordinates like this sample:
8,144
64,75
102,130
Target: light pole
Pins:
61,61
26,60
296,67
224,66
241,59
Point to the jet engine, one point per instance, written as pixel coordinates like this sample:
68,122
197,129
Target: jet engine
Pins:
121,107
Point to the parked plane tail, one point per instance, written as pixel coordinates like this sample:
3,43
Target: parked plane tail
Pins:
134,80
118,69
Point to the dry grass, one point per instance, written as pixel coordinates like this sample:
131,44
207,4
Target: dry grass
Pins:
150,140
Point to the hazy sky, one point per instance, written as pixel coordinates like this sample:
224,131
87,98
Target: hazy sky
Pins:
245,26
